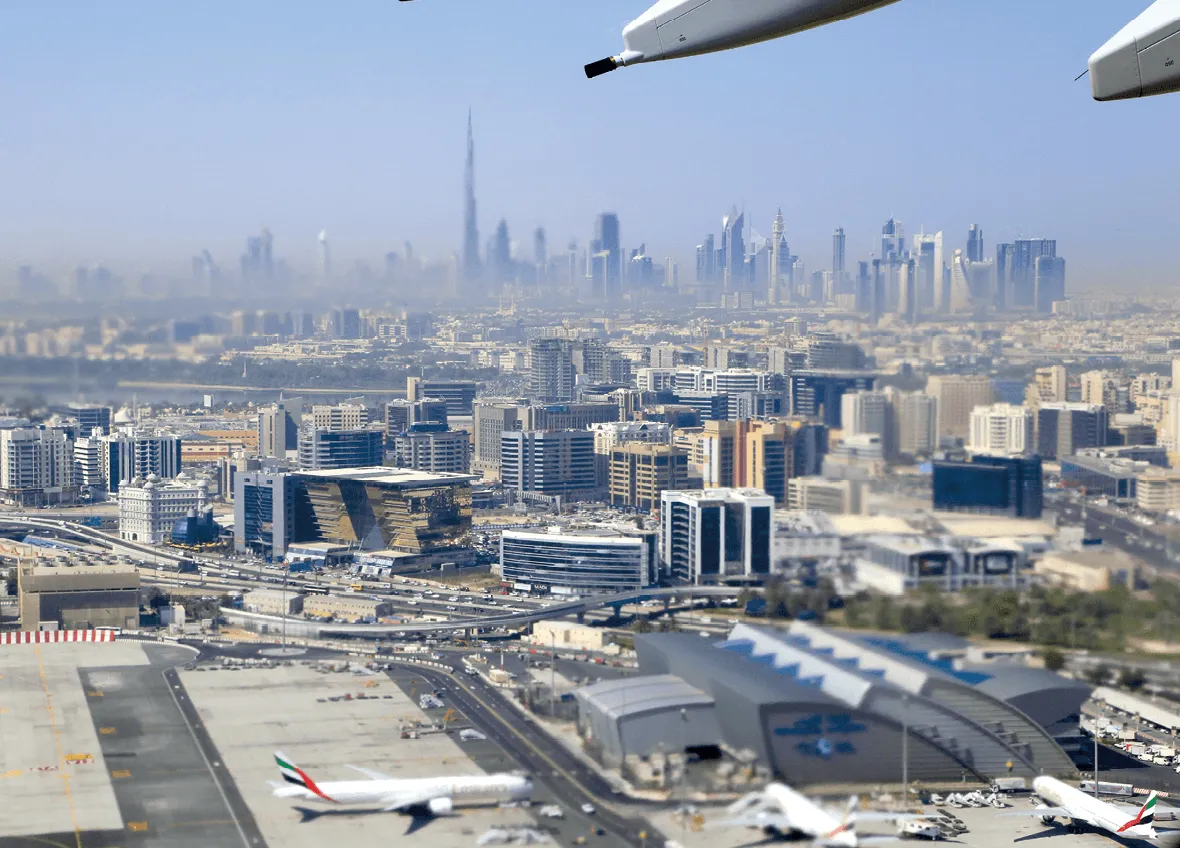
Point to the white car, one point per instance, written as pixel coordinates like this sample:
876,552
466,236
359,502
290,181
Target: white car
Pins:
588,809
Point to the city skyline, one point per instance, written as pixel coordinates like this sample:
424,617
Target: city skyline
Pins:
235,153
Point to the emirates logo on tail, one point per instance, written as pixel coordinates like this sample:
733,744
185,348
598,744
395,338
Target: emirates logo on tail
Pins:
1145,816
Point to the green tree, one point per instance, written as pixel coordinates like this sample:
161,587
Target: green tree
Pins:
1099,674
642,624
1053,658
1132,678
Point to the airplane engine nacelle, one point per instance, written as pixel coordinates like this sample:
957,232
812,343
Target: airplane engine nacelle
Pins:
441,806
1142,59
1045,819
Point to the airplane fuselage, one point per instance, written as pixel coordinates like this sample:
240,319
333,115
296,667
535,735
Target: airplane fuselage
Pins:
376,792
1089,810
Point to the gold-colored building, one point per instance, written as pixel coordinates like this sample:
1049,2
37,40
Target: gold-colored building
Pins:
640,471
396,509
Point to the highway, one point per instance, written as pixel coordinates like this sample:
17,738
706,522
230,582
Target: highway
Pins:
571,781
1121,531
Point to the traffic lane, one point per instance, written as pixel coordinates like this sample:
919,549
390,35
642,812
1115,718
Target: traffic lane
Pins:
512,739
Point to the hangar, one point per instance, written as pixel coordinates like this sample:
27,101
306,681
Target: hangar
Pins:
820,706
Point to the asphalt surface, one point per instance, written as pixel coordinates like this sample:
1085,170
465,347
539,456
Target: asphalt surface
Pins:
167,782
1117,530
572,782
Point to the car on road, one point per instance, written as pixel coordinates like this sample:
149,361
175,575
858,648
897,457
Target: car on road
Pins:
589,809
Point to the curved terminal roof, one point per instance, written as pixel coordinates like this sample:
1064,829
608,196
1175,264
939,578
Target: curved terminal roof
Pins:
638,695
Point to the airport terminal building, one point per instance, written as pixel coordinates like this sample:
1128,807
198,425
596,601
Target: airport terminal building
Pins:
814,705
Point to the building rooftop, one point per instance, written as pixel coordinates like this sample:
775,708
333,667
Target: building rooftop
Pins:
382,475
635,695
992,527
856,525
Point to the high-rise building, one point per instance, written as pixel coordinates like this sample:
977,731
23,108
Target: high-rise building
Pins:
975,243
500,262
609,435
130,455
733,252
817,394
1001,429
1049,282
36,466
1065,428
1023,273
990,484
1005,263
325,259
401,414
471,263
335,449
640,472
915,416
892,239
778,241
838,268
1106,388
716,535
606,244
340,416
459,394
1048,386
957,395
278,428
91,418
551,370
549,463
264,514
870,413
432,447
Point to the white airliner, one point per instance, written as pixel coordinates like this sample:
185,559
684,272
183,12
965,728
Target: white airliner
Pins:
435,796
1143,58
1085,812
780,811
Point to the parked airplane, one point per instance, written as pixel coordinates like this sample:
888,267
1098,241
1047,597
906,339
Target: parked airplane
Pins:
781,811
1085,812
434,796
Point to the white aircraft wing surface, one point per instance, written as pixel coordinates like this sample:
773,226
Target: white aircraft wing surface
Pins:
1048,811
775,820
405,800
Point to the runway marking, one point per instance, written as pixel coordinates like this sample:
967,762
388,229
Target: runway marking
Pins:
95,694
12,773
107,731
65,775
119,774
138,827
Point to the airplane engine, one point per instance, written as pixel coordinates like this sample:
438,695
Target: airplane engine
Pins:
441,806
1142,59
1046,819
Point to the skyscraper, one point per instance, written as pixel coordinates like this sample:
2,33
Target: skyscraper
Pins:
892,239
540,250
470,269
500,256
325,259
1005,257
777,242
551,370
733,251
838,244
1048,281
975,244
1023,271
606,240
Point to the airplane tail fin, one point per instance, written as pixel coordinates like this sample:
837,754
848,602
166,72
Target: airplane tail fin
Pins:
297,776
847,827
1144,817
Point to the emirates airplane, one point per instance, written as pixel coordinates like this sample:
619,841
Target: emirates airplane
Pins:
780,811
1085,812
434,796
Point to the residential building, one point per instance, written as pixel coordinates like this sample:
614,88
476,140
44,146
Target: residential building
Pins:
1106,388
36,466
132,453
870,414
716,535
639,472
278,428
956,396
432,447
915,424
336,417
1001,429
1048,386
551,370
610,434
582,561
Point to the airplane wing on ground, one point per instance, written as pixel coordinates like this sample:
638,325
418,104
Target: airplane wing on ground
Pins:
408,800
1051,811
873,815
775,820
370,773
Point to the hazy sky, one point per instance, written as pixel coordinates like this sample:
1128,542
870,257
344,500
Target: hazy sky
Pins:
137,132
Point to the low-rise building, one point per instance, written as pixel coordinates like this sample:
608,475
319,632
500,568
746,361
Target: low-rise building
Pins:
584,561
1094,569
272,602
895,565
345,607
819,494
77,597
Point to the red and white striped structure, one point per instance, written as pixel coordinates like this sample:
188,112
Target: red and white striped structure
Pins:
42,637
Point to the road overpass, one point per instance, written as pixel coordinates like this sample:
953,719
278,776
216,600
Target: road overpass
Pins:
317,629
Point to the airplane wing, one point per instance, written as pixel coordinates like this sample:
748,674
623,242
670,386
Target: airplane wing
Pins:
408,800
872,815
370,773
762,820
1052,811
